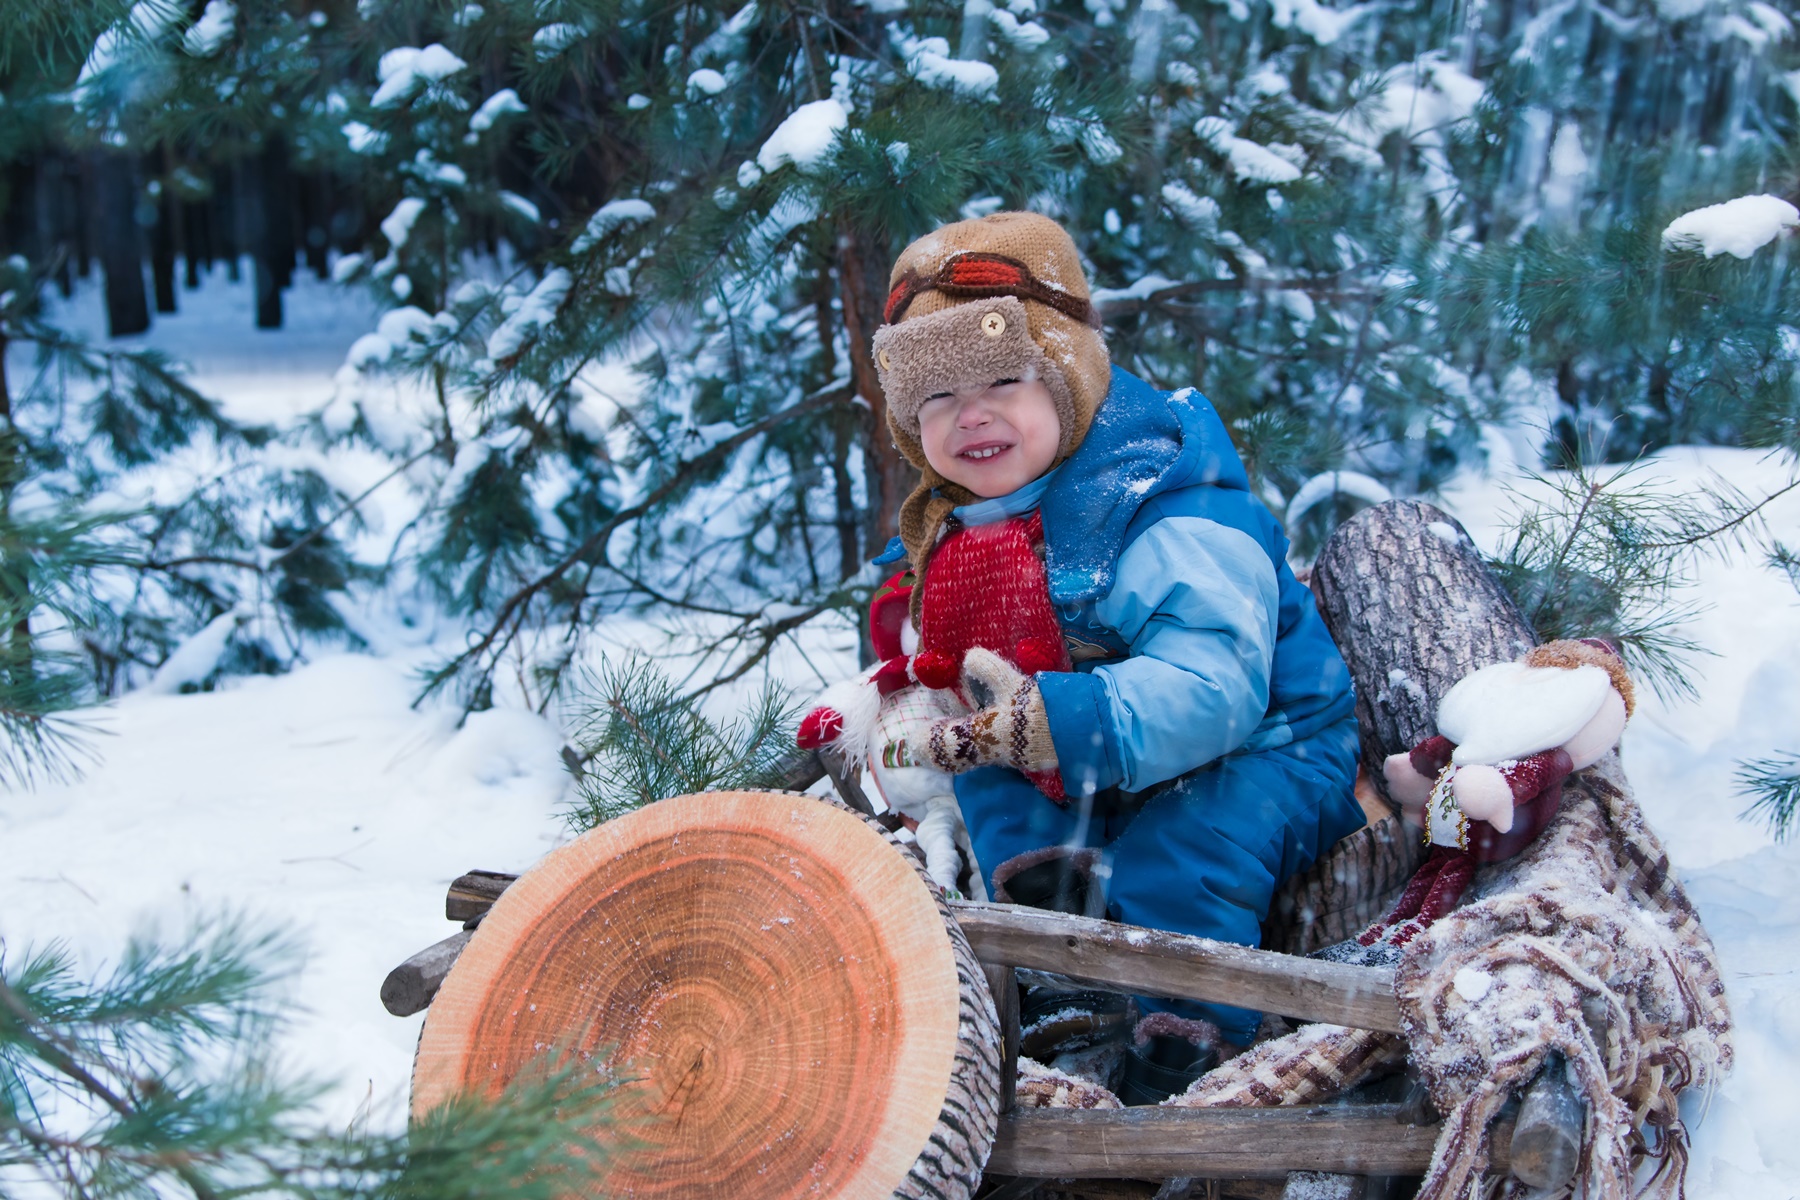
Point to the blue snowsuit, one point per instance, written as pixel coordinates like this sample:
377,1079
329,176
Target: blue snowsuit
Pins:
1206,737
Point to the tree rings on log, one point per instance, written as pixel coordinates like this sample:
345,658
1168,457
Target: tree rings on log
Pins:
787,1003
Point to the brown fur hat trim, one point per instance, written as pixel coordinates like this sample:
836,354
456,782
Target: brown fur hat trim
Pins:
966,348
1569,654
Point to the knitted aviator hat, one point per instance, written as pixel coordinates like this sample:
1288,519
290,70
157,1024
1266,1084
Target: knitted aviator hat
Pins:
999,297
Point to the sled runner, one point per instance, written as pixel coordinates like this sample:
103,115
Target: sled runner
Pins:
682,946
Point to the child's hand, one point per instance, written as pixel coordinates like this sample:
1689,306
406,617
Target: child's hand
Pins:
1009,727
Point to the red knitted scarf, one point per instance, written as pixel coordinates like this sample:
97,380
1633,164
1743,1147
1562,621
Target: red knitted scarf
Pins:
986,586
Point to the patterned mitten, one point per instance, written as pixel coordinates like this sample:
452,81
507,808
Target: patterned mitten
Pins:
1008,729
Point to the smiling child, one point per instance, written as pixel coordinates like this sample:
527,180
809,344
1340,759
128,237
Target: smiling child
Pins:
1198,740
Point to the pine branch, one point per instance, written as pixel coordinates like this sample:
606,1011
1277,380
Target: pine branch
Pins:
642,740
103,1094
1610,555
1775,785
595,544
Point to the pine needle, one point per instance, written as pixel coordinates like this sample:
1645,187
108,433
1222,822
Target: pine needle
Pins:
1774,784
643,740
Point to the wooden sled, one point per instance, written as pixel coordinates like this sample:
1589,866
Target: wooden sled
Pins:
1406,597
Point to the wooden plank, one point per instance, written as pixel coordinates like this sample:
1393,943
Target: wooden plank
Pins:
1006,1004
1121,957
1154,963
409,987
1242,1143
471,894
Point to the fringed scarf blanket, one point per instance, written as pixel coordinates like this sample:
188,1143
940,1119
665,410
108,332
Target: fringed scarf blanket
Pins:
1584,944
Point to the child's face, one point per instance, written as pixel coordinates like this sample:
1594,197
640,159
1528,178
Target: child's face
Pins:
993,441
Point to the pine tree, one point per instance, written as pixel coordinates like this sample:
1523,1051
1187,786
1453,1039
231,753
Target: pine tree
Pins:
1304,212
155,1080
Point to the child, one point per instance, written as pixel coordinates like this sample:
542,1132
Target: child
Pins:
1204,739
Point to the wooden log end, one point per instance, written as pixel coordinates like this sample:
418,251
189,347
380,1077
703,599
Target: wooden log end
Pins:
472,893
409,987
1546,1140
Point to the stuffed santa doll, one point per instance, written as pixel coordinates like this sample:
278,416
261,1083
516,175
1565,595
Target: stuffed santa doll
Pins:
984,620
1489,782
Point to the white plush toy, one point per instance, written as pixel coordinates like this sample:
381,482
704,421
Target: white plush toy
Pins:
876,721
1508,735
878,732
1492,777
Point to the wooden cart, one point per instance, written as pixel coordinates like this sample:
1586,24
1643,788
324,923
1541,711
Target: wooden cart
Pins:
1374,580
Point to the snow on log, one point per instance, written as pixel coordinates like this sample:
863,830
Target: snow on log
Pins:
788,1004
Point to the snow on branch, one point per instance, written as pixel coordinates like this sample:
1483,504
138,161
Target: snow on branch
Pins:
1738,227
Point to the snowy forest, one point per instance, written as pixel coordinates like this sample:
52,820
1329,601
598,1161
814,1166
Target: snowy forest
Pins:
596,457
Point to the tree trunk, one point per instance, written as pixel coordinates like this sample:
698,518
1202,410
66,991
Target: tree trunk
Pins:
862,276
271,231
82,199
316,214
162,251
121,245
790,1005
55,200
194,249
1413,608
230,219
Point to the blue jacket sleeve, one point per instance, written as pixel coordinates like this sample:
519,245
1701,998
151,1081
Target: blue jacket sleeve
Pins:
1197,602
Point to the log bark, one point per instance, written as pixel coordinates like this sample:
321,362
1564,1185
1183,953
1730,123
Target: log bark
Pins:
1213,1143
788,1004
1414,608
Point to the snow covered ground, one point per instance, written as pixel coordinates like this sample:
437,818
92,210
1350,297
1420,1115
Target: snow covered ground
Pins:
323,801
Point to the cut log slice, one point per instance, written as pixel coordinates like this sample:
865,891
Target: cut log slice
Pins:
787,1003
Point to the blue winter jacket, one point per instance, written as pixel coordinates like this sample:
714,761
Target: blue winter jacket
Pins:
1208,729
1192,637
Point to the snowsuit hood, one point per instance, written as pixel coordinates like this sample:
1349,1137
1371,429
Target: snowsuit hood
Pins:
1142,443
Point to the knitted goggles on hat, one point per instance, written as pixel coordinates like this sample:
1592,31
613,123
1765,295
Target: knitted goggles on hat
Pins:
969,347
